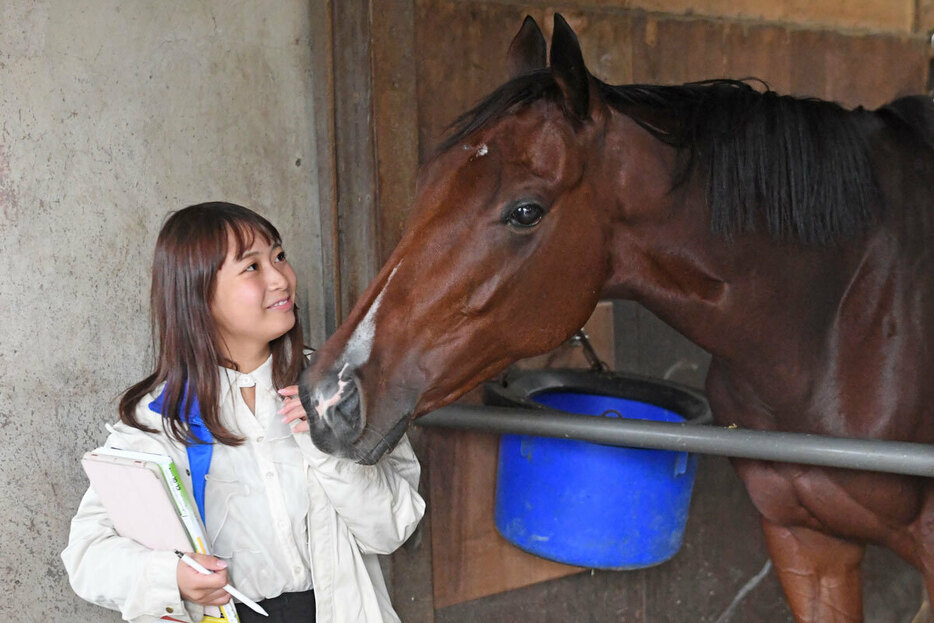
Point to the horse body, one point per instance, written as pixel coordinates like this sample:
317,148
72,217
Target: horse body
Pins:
857,375
826,340
559,191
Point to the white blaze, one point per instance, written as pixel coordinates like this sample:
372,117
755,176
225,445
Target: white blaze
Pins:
356,352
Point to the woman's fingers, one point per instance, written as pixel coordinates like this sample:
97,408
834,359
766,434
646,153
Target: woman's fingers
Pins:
216,598
201,588
291,390
292,411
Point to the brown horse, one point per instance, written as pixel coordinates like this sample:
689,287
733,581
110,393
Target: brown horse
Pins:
790,238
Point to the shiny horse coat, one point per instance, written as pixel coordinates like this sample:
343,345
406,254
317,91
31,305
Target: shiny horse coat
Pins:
790,238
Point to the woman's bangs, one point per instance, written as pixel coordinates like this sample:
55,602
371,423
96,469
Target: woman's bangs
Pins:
244,235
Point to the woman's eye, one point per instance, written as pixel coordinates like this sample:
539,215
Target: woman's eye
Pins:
526,215
280,257
252,267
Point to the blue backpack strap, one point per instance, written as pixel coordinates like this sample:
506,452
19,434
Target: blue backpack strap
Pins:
200,448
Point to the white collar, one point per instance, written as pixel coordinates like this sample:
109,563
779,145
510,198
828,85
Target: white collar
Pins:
260,377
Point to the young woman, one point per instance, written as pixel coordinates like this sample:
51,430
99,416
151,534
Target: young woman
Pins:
291,527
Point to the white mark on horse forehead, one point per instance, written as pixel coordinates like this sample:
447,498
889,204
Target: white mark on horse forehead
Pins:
360,344
482,150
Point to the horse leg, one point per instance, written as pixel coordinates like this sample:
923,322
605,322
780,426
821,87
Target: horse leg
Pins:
820,574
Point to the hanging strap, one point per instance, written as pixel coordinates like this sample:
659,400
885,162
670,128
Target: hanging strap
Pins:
200,444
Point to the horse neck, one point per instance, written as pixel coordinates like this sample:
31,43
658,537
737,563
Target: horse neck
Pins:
751,302
729,297
787,324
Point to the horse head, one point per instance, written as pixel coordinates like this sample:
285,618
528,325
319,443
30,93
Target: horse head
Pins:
504,210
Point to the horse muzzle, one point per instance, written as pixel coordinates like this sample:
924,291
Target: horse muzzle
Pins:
336,410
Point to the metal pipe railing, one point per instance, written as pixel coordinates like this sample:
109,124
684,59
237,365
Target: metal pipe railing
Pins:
896,457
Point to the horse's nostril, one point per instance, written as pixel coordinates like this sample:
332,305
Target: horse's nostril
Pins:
337,405
349,407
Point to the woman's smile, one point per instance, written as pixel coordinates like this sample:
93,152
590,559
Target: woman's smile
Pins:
282,305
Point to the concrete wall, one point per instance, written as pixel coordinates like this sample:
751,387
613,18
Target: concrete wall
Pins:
112,113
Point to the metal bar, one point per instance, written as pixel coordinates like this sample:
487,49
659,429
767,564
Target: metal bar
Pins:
896,457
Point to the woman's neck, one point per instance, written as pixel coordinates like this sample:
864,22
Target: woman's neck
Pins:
248,359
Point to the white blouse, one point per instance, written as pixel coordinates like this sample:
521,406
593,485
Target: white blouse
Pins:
256,494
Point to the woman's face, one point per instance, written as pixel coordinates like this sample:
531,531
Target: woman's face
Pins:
254,299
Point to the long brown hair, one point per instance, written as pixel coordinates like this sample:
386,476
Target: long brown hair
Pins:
190,249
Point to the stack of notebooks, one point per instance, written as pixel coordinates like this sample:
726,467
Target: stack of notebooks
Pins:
148,502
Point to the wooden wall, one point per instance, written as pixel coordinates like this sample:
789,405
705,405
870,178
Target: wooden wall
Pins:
394,74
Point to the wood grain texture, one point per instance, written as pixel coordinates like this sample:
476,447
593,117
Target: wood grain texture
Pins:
395,118
925,17
356,175
322,41
855,70
896,16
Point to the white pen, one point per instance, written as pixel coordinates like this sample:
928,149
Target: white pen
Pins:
191,562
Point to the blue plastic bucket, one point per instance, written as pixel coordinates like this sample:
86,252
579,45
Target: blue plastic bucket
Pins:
593,505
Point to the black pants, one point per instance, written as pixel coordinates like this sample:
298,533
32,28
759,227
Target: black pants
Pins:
286,608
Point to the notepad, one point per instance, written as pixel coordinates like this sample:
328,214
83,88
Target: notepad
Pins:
147,501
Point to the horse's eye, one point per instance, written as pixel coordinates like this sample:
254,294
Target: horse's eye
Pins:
526,215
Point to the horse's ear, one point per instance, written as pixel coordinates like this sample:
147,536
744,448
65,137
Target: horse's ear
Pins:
567,66
527,50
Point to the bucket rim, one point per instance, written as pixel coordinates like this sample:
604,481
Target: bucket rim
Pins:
518,388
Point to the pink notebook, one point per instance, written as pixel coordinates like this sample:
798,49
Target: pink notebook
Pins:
137,500
134,491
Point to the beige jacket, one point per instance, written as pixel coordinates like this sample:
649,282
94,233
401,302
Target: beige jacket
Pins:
341,517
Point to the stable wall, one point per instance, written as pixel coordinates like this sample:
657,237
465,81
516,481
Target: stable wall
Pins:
112,113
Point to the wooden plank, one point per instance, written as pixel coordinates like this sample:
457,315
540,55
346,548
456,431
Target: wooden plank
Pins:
357,219
395,119
675,51
924,20
325,159
857,70
470,558
867,70
461,49
410,567
896,16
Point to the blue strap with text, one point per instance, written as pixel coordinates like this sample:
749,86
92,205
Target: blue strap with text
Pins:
200,448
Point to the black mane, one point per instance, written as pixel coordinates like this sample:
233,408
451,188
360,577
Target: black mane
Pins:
797,168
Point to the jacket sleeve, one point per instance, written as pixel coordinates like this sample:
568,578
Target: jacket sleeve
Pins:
119,573
379,503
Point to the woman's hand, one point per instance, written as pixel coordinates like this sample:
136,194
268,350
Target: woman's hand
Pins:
293,411
207,590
